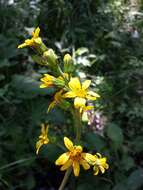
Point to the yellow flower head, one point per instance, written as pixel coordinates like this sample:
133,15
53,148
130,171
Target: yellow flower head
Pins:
35,40
48,81
57,99
100,164
74,158
43,138
80,92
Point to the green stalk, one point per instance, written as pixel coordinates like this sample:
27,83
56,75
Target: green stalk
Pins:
78,128
65,179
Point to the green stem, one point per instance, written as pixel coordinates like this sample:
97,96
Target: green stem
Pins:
78,125
65,179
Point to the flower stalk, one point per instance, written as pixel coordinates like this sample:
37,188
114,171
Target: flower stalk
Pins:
70,93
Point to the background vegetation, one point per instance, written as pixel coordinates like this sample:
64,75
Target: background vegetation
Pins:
105,38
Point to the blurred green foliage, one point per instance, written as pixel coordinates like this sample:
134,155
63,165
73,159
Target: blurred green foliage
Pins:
100,36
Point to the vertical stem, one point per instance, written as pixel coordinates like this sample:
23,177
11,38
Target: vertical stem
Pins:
78,127
65,179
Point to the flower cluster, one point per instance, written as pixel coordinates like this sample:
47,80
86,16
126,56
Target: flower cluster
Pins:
70,94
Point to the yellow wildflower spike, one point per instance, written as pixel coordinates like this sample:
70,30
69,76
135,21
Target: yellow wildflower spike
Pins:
43,138
35,40
100,164
74,158
80,92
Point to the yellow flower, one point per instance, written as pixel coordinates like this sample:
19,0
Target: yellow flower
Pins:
85,108
74,158
80,92
33,41
57,99
47,81
100,164
43,138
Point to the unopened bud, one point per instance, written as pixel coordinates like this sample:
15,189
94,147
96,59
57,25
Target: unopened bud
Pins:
68,64
50,56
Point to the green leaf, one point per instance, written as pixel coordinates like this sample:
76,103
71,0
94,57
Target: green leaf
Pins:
85,186
135,180
114,132
94,141
52,152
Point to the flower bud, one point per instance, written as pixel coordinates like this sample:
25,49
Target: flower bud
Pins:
50,56
59,82
68,64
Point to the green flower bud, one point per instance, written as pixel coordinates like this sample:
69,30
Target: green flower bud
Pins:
51,57
68,64
59,82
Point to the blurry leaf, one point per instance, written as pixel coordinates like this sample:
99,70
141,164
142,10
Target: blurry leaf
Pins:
121,186
2,77
30,182
94,141
128,162
51,151
114,132
135,180
85,186
81,51
137,144
27,87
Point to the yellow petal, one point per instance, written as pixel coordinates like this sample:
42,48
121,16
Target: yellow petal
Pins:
106,166
86,108
29,42
62,159
86,84
36,32
74,84
79,102
96,170
38,40
43,86
85,165
66,165
76,168
51,105
68,143
89,158
22,45
92,95
38,146
79,148
70,94
102,169
99,155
